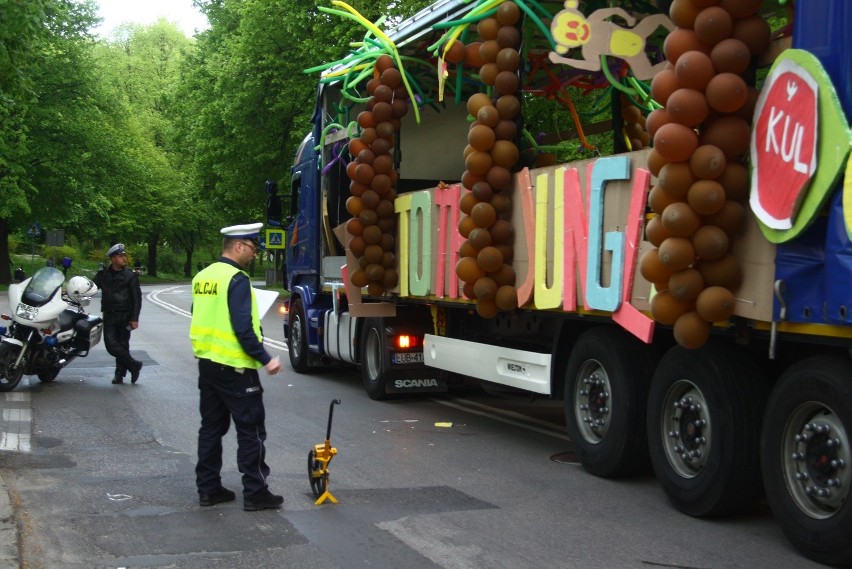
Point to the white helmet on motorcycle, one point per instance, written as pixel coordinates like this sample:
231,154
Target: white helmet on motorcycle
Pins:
80,289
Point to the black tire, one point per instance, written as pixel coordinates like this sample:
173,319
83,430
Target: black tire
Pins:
606,394
48,375
815,513
318,483
373,355
297,338
704,419
9,378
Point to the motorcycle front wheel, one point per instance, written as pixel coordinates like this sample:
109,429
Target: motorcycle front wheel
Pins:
10,376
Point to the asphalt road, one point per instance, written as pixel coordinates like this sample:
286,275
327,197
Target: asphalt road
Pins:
475,479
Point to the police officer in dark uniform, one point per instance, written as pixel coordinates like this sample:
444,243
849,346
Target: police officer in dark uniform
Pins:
121,302
228,342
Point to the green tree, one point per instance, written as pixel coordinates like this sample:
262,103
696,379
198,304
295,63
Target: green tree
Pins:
144,65
48,104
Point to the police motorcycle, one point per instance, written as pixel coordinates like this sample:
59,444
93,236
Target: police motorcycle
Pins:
48,327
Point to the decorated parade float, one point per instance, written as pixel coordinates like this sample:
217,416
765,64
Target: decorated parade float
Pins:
637,206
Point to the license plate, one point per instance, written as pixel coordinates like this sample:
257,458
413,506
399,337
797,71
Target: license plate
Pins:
407,358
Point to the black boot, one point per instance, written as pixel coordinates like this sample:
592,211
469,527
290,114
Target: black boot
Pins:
264,500
134,373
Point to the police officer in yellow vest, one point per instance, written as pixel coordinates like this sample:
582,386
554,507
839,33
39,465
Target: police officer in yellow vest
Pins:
227,340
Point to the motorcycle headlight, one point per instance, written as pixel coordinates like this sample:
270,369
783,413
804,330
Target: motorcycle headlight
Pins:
26,312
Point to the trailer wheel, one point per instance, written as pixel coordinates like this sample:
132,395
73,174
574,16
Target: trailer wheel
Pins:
297,345
606,390
319,483
807,459
704,419
373,356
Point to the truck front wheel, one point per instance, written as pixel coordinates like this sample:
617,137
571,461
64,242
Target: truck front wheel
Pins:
297,346
704,419
606,390
807,460
373,358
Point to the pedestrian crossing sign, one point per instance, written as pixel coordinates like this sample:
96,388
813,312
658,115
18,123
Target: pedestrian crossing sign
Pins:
275,239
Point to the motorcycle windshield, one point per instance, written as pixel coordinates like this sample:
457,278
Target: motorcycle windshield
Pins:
44,284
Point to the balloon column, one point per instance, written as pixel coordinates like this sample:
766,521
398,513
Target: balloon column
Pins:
485,264
373,179
701,141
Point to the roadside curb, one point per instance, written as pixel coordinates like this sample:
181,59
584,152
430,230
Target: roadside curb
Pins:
9,554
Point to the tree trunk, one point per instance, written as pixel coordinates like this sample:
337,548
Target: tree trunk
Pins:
153,239
187,264
5,257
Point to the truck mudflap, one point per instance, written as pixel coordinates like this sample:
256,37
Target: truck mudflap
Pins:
391,357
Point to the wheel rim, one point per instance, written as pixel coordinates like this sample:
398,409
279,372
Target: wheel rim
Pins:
592,397
686,428
372,357
816,459
296,337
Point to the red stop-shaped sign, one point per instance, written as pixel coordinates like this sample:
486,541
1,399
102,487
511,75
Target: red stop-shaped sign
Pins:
783,144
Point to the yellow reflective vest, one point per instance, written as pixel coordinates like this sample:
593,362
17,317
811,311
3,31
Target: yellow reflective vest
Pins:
211,332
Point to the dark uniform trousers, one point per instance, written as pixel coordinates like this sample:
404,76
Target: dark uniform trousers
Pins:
117,341
226,393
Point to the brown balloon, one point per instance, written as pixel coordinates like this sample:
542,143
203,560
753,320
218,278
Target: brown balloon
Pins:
506,297
483,214
482,192
688,107
476,102
391,77
691,331
678,42
484,288
481,138
508,14
694,69
712,25
676,253
708,162
676,178
508,106
727,93
509,36
468,270
467,202
488,73
505,153
710,242
706,197
480,238
715,304
675,142
666,309
685,285
731,134
486,308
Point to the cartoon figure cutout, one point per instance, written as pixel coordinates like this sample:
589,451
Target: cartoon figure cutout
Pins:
598,36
